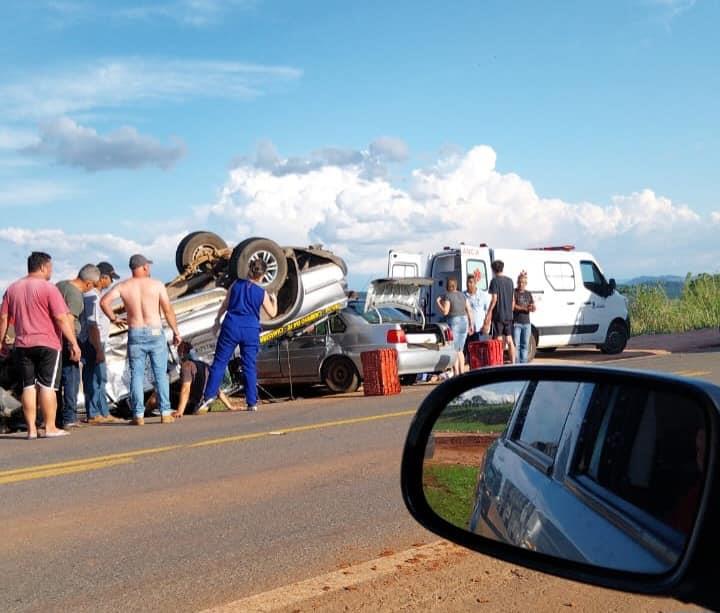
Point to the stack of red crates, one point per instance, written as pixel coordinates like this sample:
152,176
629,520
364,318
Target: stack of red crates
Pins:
380,372
486,353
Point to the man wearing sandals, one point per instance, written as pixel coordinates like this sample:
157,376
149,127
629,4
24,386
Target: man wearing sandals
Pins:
40,318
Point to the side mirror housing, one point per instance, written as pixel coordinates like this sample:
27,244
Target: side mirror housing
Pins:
612,286
598,475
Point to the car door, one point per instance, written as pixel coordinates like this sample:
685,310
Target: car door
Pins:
305,353
444,266
269,360
593,303
559,315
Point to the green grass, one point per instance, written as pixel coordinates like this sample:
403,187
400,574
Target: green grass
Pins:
481,418
652,312
449,490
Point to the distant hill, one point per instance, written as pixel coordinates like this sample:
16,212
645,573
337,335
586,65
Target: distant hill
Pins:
672,284
649,280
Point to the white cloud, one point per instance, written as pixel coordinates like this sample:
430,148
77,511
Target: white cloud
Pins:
113,83
669,10
71,144
390,148
11,138
32,193
193,13
461,198
70,250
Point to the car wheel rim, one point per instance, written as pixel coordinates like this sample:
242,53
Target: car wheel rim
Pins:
271,263
339,374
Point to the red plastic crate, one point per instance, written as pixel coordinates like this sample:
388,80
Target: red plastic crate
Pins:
380,372
486,353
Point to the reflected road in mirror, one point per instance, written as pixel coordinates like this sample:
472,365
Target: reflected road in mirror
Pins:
605,474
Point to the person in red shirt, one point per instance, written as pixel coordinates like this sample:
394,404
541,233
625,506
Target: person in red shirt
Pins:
40,317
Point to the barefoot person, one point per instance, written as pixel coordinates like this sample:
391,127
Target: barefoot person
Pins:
189,389
241,327
40,315
144,299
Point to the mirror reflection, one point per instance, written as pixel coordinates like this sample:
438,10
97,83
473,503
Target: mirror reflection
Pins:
605,474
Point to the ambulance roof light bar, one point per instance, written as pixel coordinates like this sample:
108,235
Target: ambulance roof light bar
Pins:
555,248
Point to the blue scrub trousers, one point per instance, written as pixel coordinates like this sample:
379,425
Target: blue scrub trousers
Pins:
248,339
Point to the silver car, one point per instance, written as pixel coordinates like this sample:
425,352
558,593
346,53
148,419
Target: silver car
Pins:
329,352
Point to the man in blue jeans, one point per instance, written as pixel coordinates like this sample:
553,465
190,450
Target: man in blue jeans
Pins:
72,292
144,299
94,335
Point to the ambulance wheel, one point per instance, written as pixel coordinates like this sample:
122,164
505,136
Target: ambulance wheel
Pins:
616,339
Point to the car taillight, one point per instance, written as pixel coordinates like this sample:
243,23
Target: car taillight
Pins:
396,336
449,335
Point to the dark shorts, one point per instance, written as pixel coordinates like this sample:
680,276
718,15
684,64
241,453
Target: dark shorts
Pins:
502,328
39,366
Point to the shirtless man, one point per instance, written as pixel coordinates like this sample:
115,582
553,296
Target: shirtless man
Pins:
144,299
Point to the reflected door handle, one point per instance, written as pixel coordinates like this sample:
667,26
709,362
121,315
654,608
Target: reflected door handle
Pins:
588,303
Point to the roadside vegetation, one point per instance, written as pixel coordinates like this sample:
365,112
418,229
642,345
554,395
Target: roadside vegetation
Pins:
449,490
477,418
653,312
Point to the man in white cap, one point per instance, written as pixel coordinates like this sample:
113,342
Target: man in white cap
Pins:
94,337
144,299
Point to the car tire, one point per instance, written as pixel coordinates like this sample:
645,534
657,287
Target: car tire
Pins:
616,339
193,245
408,379
253,248
341,376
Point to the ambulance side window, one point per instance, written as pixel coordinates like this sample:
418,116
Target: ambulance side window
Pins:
592,278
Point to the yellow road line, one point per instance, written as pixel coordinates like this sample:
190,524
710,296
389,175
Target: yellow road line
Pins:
66,470
325,424
41,471
95,460
692,373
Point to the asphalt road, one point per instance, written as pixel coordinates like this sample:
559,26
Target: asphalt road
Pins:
214,508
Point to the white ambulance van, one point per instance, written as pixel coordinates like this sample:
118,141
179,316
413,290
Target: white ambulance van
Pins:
576,304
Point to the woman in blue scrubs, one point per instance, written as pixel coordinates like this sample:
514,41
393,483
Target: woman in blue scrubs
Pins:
241,328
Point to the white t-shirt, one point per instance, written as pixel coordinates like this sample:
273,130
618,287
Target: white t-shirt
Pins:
479,304
94,315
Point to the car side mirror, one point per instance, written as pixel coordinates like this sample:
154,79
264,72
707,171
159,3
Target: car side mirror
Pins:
612,286
598,475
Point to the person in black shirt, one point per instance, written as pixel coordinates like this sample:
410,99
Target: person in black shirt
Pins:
193,379
502,305
524,305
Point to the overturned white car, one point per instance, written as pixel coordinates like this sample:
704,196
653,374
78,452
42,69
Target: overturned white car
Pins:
309,282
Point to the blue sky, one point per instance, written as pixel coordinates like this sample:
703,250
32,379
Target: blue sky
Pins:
124,125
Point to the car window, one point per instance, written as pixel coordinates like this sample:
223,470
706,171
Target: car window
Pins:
543,411
592,277
477,268
640,448
560,276
388,314
337,325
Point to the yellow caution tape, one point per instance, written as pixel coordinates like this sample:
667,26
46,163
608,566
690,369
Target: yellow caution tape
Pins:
299,324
